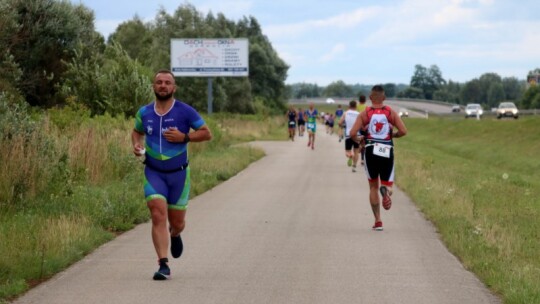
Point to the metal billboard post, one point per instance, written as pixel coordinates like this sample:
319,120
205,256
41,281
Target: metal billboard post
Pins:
210,95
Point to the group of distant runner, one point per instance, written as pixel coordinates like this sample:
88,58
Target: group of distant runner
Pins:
368,132
301,119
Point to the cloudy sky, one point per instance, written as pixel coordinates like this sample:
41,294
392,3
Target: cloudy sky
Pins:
373,41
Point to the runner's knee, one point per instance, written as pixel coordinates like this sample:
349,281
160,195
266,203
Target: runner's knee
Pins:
159,215
178,225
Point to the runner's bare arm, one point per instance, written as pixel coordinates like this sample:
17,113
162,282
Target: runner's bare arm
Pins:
137,140
400,125
201,134
341,120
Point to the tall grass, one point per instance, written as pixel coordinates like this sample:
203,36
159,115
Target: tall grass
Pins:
479,182
240,128
69,182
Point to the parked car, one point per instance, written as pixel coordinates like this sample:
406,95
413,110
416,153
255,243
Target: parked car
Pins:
507,109
473,110
456,108
403,112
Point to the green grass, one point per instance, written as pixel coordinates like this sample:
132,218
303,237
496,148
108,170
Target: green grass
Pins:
70,183
243,128
212,167
479,183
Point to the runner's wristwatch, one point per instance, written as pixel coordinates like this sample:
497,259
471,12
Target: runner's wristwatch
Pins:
186,138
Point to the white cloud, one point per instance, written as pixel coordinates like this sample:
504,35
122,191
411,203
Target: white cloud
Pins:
334,52
523,48
290,57
415,19
452,14
341,21
506,41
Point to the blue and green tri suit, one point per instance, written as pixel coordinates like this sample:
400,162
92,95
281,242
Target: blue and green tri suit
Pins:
167,171
312,120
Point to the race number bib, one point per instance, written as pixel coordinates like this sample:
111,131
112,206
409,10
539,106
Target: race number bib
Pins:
291,123
311,125
382,150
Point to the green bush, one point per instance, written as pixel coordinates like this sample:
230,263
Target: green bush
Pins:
108,83
71,115
15,116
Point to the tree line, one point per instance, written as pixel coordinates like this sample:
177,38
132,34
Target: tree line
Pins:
52,56
428,83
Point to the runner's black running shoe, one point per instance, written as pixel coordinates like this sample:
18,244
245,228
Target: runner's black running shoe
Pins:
164,272
176,246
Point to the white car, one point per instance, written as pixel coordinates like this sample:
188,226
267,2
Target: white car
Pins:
330,100
473,110
403,112
508,109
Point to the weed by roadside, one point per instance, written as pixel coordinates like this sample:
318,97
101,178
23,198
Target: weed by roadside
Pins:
478,182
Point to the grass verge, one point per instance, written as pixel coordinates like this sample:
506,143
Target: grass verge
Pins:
478,182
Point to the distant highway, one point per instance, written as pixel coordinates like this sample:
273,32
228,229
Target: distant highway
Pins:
416,108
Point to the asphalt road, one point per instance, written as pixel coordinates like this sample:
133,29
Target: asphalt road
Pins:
294,227
419,106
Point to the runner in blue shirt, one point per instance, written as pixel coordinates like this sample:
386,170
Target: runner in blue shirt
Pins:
339,113
162,134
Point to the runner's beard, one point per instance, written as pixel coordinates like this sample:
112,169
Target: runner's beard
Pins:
163,97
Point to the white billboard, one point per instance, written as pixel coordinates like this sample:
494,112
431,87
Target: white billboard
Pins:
210,57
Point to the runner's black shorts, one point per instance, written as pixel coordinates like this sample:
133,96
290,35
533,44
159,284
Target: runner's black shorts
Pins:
378,167
292,124
301,122
349,144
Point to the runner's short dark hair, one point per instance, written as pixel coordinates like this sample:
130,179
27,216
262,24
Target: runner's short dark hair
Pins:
377,88
352,103
164,71
362,98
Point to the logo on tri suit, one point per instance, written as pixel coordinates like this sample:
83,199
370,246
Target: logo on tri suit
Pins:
149,130
163,130
378,126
